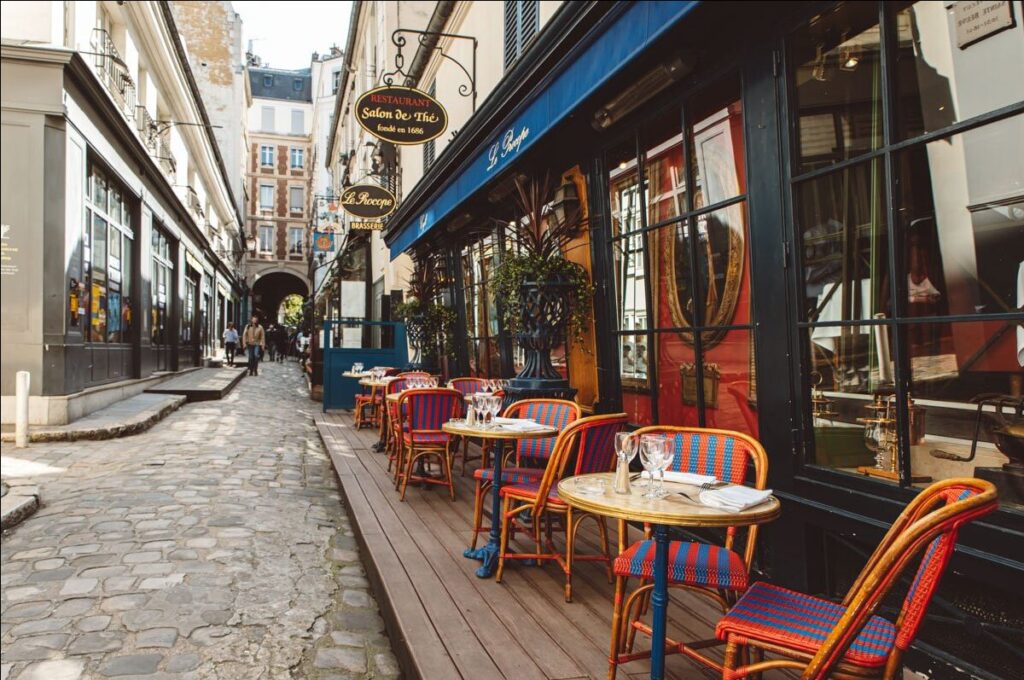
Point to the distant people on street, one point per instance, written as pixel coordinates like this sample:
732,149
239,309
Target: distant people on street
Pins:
272,342
281,340
230,343
628,365
254,339
641,359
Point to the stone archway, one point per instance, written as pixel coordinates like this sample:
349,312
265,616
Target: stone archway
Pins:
271,288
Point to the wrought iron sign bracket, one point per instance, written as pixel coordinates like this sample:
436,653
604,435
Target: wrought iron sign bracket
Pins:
399,41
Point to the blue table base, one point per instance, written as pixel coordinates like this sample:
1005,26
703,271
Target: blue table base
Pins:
488,554
659,602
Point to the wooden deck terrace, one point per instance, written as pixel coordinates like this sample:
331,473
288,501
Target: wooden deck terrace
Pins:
444,622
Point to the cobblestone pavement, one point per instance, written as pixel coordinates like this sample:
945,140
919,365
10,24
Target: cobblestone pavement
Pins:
214,545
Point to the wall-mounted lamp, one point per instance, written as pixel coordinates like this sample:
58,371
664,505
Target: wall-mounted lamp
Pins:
565,205
643,90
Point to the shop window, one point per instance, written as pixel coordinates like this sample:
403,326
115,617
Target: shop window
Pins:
482,329
941,79
681,265
188,311
160,286
910,303
522,21
105,291
838,82
295,237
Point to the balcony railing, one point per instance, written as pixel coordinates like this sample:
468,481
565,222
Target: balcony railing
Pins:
192,200
147,129
113,72
163,153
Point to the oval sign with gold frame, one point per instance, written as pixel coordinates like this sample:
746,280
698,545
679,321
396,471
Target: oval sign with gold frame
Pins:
721,246
401,115
368,201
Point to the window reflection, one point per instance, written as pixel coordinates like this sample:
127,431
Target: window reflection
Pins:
939,81
478,260
666,179
844,245
837,76
715,139
962,214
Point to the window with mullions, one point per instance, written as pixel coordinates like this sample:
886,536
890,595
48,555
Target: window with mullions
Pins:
680,254
107,261
160,286
909,241
482,345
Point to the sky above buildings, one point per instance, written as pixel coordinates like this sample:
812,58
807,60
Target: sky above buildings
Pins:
285,34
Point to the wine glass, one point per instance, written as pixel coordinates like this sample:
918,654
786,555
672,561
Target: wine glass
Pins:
664,460
494,403
625,446
649,453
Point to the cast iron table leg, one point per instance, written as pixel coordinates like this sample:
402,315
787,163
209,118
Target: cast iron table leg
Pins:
659,602
488,554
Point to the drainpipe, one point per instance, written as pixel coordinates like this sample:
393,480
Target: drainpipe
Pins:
442,12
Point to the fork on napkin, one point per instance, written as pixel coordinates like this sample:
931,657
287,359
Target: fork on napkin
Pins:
734,498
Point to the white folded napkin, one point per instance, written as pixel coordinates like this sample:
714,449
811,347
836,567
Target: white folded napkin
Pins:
509,421
688,478
734,498
520,425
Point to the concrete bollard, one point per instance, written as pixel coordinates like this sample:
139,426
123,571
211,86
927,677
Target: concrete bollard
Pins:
21,409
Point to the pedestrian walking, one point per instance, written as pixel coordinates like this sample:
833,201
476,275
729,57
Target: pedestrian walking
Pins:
230,343
253,341
272,342
281,340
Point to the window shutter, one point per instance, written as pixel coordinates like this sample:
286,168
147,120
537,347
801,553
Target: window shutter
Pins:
511,32
529,22
429,148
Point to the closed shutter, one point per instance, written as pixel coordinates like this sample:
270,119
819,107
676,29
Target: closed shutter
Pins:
429,148
522,21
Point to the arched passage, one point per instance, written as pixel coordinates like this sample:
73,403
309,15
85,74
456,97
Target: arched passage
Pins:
271,289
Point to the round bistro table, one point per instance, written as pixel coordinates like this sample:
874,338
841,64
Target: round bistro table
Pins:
661,513
488,554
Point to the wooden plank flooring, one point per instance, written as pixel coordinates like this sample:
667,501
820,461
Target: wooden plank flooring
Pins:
444,622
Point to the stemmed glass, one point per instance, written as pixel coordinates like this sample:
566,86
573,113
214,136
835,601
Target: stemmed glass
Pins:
494,406
653,457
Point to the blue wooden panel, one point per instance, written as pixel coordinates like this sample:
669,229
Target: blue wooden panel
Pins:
340,392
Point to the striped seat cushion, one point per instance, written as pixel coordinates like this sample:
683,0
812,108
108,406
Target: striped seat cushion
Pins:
511,475
527,491
773,614
425,437
689,563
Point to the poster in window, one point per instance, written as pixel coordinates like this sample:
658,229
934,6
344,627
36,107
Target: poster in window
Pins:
73,302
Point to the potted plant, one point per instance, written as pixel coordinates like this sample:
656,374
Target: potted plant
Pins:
428,323
544,299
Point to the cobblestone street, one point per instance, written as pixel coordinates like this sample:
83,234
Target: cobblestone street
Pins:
215,545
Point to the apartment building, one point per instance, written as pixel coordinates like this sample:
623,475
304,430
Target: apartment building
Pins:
121,239
279,176
325,70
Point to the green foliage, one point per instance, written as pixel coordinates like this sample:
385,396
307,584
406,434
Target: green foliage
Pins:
515,270
292,308
438,323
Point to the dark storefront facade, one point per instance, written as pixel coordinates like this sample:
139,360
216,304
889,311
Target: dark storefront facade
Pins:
806,222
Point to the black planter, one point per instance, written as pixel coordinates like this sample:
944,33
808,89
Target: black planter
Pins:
416,330
544,316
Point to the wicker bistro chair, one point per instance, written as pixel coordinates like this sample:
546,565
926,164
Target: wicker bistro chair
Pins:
592,440
466,386
392,422
422,437
718,572
369,402
531,455
823,639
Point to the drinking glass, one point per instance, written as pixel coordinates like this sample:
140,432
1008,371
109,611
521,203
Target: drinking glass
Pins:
495,407
651,454
664,460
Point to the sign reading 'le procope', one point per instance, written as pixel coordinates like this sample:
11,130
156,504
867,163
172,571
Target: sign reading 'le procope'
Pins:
368,201
401,115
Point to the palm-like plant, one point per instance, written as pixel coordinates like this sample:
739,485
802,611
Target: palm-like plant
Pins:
428,322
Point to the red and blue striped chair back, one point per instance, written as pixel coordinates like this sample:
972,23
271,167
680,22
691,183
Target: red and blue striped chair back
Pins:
394,386
414,374
725,454
556,413
929,524
467,385
592,440
428,409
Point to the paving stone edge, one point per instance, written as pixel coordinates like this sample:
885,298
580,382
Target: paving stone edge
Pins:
134,426
16,509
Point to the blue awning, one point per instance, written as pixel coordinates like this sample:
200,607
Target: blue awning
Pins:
625,39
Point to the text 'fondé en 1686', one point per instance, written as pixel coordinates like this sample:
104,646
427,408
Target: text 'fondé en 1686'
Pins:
401,115
368,201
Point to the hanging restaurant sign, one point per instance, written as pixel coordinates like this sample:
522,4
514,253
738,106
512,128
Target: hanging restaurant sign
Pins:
323,242
401,115
368,201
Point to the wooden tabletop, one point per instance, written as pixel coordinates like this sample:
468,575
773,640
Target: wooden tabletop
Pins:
460,428
367,382
350,374
672,510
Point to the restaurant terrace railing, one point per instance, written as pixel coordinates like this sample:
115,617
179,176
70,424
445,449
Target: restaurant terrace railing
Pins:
113,72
